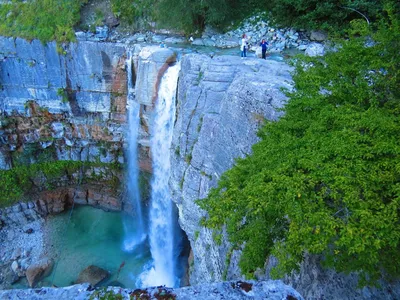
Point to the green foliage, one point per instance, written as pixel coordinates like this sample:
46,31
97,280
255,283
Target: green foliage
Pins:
192,16
325,178
188,158
20,180
63,94
104,294
177,151
328,15
45,20
144,185
124,10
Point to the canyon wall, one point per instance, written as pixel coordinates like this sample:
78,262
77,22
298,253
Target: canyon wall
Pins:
222,102
69,102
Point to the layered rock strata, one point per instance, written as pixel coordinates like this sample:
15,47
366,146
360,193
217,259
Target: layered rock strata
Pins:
71,104
222,102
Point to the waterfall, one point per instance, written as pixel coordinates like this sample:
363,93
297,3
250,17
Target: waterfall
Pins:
138,235
162,221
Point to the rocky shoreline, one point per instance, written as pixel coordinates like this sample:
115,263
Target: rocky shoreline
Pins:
24,234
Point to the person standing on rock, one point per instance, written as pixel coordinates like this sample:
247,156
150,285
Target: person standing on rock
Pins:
264,46
243,46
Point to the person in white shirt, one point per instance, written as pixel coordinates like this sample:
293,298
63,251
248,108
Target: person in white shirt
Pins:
243,46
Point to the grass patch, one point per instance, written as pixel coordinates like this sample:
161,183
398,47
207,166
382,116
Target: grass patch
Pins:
188,158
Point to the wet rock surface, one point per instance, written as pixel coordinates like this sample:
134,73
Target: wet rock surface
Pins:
93,275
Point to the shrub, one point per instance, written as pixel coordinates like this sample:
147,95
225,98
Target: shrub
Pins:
325,178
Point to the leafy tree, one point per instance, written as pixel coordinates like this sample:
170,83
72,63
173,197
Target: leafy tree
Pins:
328,15
45,20
192,16
125,10
325,178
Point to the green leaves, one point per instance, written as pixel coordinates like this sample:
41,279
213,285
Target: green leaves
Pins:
325,178
45,20
20,180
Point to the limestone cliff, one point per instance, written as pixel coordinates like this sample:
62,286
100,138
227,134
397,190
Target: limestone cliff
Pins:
71,104
222,102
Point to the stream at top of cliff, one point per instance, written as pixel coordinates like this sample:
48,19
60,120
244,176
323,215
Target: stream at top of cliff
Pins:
182,49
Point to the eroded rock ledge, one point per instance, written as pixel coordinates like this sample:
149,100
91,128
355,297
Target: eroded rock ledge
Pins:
273,290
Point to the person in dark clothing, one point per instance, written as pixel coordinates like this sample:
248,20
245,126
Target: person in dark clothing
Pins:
264,46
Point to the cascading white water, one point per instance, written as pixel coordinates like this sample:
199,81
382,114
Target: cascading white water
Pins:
138,235
161,228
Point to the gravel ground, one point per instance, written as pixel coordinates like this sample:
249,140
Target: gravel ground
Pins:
20,246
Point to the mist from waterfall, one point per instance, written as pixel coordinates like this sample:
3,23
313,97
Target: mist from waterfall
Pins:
138,235
161,216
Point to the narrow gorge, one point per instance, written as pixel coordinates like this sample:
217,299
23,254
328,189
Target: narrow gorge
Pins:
146,132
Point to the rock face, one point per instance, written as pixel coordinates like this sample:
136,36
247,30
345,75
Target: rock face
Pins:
315,282
222,102
38,270
272,290
150,65
71,105
92,275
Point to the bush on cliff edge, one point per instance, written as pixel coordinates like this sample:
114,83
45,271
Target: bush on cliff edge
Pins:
325,178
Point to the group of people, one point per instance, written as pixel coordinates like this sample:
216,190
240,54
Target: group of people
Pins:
245,44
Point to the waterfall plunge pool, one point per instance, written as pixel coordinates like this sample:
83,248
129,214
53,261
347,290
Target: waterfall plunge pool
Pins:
93,237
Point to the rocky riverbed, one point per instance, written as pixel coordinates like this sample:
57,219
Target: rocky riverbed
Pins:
256,28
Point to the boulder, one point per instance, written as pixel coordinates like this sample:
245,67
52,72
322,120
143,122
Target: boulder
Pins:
16,253
93,275
315,49
175,40
198,42
111,21
7,276
38,270
318,36
14,266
